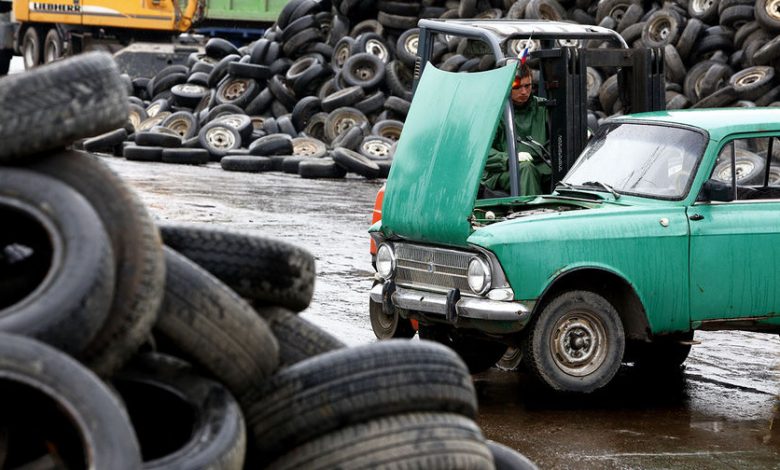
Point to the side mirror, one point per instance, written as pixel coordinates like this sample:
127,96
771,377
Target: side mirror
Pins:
716,190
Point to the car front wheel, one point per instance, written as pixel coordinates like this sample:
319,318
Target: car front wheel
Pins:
576,344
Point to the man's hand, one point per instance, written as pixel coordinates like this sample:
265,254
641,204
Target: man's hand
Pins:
524,157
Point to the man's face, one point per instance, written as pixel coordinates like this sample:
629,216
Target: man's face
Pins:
521,90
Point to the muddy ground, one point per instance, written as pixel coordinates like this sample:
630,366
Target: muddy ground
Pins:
719,412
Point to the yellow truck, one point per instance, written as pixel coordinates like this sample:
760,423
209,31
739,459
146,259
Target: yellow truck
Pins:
43,31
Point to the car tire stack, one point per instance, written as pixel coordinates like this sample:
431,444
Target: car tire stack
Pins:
127,345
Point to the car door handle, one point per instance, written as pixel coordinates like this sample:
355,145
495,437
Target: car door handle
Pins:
696,217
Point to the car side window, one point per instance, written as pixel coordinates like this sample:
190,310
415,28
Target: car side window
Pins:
745,161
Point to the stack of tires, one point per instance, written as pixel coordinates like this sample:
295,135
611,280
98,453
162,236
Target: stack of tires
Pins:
327,89
126,344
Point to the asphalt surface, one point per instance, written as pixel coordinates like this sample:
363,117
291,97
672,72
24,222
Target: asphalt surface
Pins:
718,412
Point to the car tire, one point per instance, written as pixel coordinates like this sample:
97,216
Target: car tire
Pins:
90,100
140,269
70,269
200,420
389,326
750,169
197,310
383,379
590,364
264,270
83,404
410,440
298,338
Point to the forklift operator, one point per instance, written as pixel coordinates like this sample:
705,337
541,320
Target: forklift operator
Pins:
530,119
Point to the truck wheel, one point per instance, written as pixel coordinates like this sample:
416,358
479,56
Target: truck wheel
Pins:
31,48
53,47
576,344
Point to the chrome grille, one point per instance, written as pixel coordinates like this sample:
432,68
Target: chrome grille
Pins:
429,268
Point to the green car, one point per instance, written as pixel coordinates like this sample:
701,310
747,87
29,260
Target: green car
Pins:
668,222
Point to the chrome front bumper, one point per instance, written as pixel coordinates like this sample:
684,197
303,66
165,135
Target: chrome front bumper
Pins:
492,316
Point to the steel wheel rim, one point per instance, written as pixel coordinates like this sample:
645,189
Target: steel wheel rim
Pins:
220,138
578,343
364,72
235,89
305,149
180,126
376,48
376,148
743,168
700,6
772,8
410,44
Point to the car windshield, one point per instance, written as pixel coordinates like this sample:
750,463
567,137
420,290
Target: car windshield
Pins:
640,159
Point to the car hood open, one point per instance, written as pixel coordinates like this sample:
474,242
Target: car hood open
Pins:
441,155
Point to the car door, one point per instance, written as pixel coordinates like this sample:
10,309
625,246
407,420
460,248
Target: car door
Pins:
735,245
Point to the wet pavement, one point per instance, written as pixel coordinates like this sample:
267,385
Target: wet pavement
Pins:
720,411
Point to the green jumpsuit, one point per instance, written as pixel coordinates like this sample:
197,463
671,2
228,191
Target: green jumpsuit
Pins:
530,120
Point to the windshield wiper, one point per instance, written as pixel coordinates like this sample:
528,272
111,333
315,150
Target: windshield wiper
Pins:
603,185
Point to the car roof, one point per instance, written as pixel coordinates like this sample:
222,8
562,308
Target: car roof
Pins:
717,122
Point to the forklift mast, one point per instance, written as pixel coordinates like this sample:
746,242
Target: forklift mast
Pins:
562,76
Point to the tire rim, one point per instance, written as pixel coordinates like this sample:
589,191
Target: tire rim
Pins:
364,72
774,175
742,169
29,53
232,121
410,44
700,6
773,9
257,122
377,148
153,110
750,77
135,119
153,121
376,48
578,343
220,138
660,29
235,89
306,149
391,132
342,54
517,46
180,126
52,52
192,90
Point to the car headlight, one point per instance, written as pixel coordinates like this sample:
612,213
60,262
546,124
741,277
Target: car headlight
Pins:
385,261
479,276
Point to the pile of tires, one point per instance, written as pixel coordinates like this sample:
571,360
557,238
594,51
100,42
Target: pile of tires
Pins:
127,344
326,90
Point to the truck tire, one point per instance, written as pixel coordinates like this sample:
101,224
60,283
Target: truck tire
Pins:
212,326
140,270
91,100
67,395
329,391
182,420
435,441
31,48
576,343
264,270
70,266
53,46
